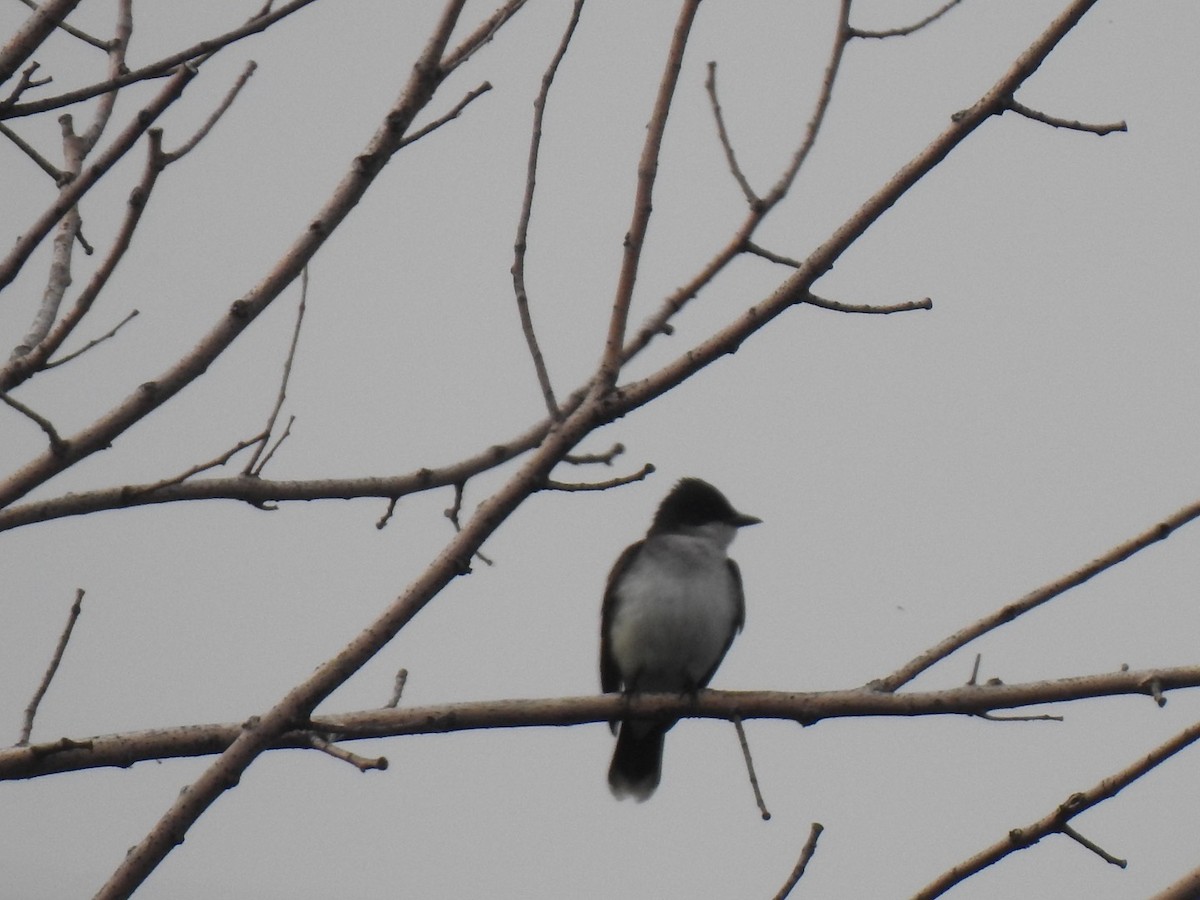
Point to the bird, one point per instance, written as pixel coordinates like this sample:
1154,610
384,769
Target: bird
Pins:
672,606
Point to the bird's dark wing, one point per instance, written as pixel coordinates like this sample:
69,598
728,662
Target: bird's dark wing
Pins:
610,675
739,620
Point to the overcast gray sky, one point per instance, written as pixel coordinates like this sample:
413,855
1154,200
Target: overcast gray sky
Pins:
914,472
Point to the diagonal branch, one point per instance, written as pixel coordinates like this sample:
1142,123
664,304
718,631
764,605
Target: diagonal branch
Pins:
29,37
520,244
1056,822
610,362
1034,599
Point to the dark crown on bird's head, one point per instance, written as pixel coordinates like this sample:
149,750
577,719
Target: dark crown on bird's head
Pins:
694,502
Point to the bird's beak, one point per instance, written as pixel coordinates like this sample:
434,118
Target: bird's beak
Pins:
741,520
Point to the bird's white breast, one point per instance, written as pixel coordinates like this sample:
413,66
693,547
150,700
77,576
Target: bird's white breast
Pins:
676,609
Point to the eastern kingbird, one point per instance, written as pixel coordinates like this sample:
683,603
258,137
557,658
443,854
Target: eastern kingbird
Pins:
671,608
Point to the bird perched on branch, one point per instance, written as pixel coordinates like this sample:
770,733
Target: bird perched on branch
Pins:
671,609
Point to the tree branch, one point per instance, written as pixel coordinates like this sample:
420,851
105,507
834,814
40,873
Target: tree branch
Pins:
124,750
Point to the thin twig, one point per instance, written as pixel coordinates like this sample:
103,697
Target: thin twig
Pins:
283,382
230,96
24,83
57,444
28,149
73,31
18,370
806,854
92,343
1070,124
63,638
1094,847
640,475
906,29
812,299
480,36
521,242
387,513
168,65
362,763
587,459
454,113
397,689
745,745
710,85
454,512
287,430
1036,598
1056,822
204,466
647,171
659,322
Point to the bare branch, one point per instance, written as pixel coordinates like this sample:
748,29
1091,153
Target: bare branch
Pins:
57,444
18,370
1094,847
587,459
190,144
1056,821
659,322
257,736
25,82
73,31
283,382
1036,598
362,763
640,475
44,164
611,360
160,69
1070,124
806,854
480,36
287,430
906,29
812,299
745,745
454,113
30,36
397,689
804,708
520,244
71,194
710,85
92,343
205,466
1186,888
55,660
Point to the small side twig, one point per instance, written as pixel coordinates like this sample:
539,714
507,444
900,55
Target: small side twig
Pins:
588,459
254,467
1057,821
454,113
57,444
73,31
387,513
199,467
745,745
642,474
92,343
1094,847
710,85
812,299
29,150
32,708
521,242
906,29
453,515
190,143
362,763
806,854
1069,124
397,689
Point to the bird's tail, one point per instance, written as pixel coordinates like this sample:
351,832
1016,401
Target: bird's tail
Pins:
637,762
